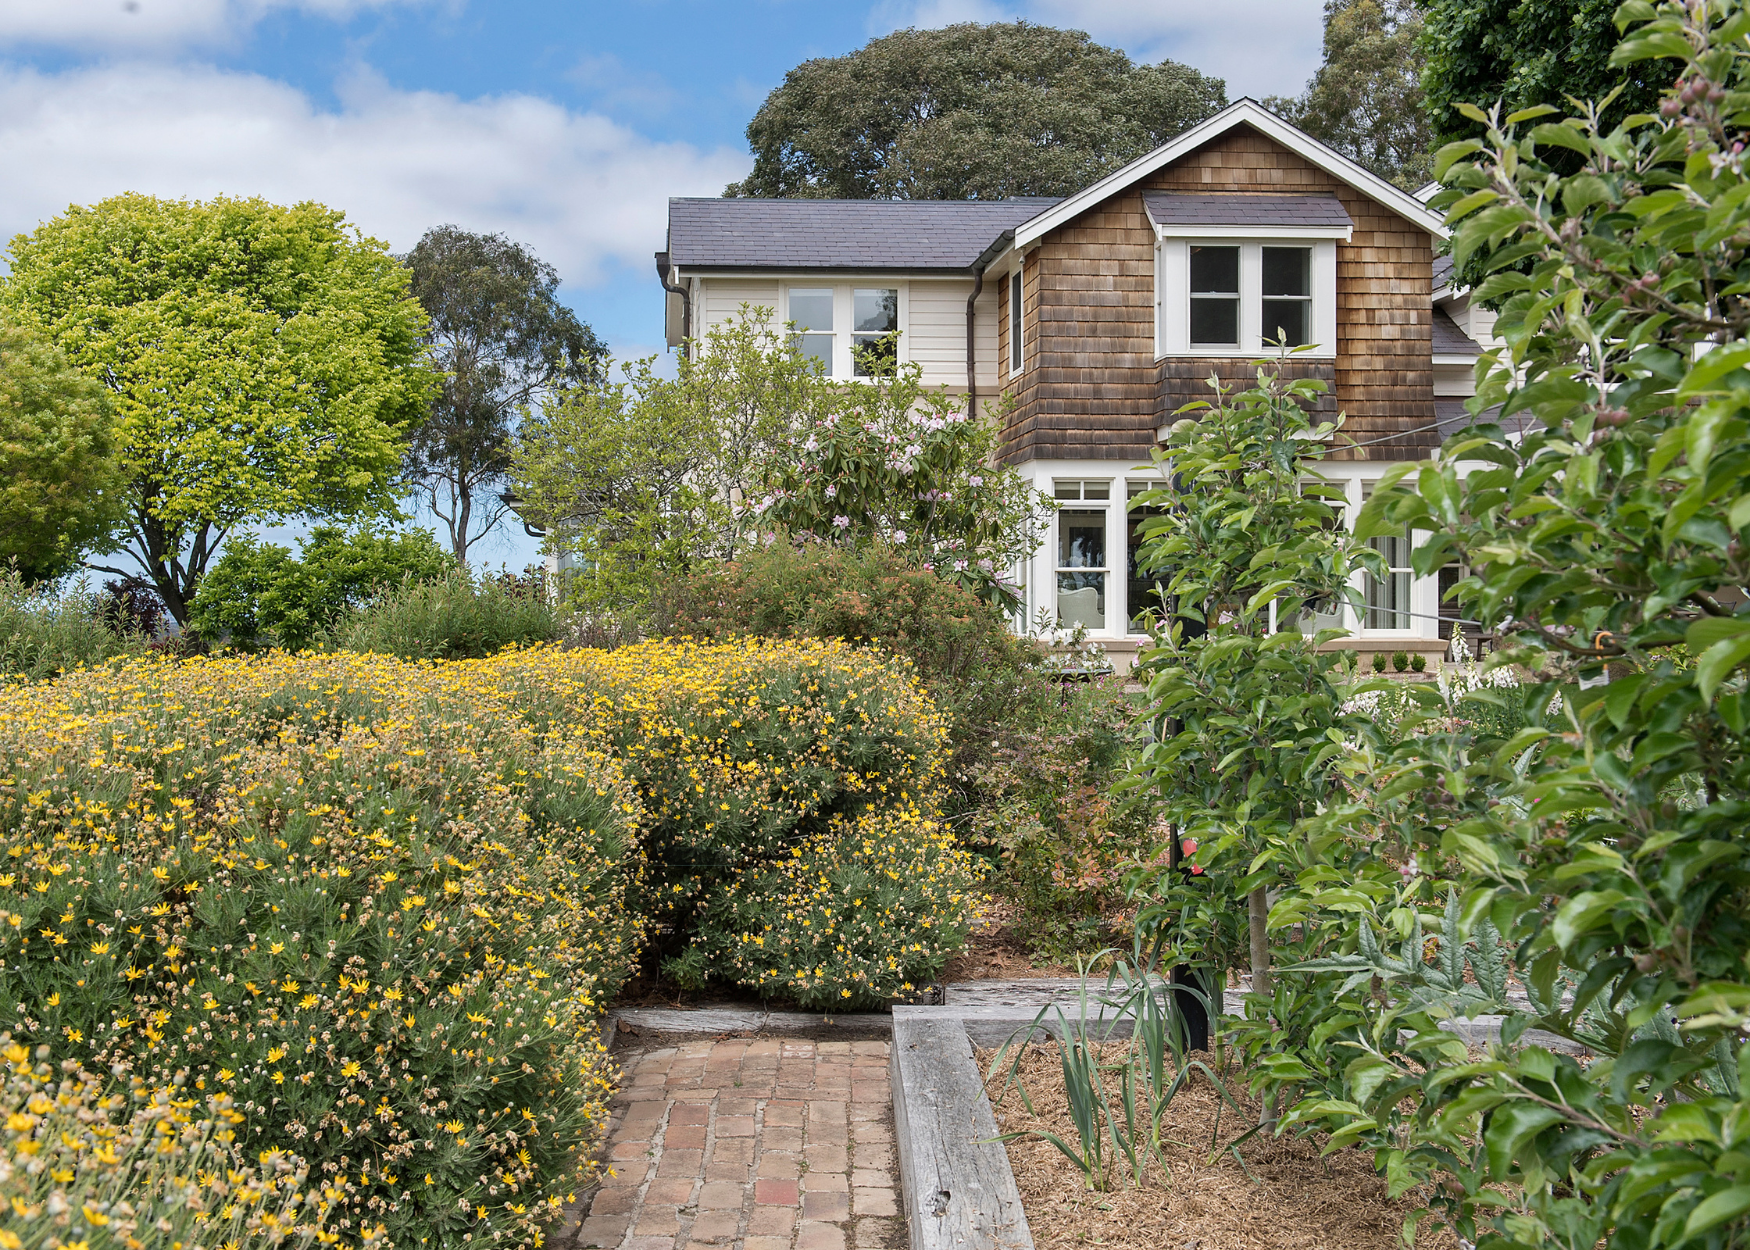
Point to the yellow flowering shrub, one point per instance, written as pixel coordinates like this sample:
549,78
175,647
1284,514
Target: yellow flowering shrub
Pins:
863,914
364,899
743,749
144,1169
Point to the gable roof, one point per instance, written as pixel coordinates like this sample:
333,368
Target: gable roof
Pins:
1177,208
1244,112
1449,340
840,234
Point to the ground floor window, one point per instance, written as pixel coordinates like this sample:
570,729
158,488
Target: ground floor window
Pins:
1144,592
1081,554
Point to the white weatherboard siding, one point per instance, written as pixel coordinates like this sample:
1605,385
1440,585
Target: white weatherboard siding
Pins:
936,336
723,298
932,326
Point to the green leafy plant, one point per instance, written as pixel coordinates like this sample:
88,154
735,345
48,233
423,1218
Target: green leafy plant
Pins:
460,614
1379,661
260,594
1400,661
45,630
1418,663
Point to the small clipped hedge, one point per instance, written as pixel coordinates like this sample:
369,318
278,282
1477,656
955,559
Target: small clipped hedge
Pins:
865,913
369,904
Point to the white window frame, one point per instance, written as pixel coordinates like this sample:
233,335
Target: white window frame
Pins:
843,311
1424,606
1017,321
1173,286
1114,586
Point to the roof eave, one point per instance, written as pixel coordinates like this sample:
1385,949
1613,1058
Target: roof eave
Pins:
1244,111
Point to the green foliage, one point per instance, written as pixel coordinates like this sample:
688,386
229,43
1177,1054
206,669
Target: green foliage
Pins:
60,484
259,594
1246,721
1042,800
967,112
502,341
44,630
1524,54
262,362
650,479
455,615
1400,661
646,478
1366,98
1599,852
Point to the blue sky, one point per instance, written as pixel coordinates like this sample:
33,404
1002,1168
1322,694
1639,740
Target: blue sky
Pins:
564,125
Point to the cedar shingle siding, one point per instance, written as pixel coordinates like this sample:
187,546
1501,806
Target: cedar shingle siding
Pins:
1092,388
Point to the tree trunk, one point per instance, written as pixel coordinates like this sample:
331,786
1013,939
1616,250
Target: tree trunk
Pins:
1257,911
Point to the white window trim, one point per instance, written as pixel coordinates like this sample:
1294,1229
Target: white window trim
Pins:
843,306
1018,321
1173,287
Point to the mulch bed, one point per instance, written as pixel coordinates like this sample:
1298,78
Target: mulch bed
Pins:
1292,1199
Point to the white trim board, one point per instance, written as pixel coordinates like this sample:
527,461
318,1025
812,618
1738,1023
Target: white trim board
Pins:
1241,112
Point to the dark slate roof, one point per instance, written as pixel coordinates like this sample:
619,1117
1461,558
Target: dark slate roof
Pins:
1173,208
1449,340
840,234
1442,271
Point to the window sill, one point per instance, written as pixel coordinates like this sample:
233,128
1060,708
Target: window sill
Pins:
1242,353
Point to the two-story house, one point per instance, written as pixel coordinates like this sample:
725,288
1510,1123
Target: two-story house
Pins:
1104,312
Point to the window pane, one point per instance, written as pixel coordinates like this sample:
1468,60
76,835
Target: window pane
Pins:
1096,490
874,356
875,312
819,346
1388,598
811,310
1215,269
1285,321
1145,590
1069,490
1081,600
1015,327
1081,540
1286,271
1215,322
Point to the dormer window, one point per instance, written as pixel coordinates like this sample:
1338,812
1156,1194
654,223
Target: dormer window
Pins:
1237,274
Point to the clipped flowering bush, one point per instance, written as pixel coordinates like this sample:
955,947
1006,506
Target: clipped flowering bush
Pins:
758,759
860,915
363,899
146,1169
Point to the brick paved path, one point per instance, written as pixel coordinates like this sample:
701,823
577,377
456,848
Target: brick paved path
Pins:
764,1144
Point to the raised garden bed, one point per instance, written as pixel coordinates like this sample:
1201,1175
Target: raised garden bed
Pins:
1282,1196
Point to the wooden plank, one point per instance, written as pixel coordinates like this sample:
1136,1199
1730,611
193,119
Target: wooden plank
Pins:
959,1190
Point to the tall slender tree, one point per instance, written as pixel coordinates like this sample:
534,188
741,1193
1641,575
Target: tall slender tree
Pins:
504,343
1366,98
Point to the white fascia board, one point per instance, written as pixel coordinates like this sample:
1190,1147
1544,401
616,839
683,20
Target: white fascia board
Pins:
842,277
1254,232
1247,112
1455,360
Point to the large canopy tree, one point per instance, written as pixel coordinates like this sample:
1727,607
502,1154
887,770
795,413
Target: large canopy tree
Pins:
59,478
1525,53
1366,98
504,343
967,112
263,362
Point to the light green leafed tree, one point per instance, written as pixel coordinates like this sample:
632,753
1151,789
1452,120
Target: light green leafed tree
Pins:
59,477
262,362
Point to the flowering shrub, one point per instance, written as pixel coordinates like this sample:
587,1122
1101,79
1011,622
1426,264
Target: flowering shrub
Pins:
858,916
151,1168
900,463
363,899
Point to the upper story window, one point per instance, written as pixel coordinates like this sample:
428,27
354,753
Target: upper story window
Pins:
1242,297
853,331
1016,322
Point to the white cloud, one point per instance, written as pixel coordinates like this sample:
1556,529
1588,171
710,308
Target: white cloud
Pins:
153,25
1261,47
585,192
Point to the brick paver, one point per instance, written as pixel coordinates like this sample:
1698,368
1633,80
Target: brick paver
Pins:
761,1144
